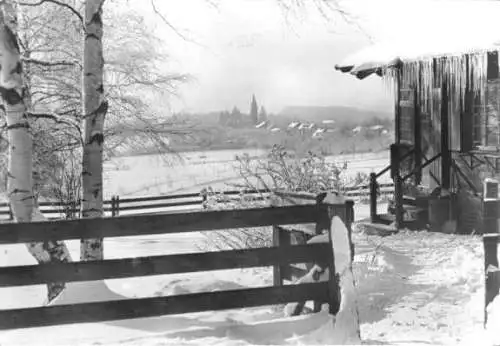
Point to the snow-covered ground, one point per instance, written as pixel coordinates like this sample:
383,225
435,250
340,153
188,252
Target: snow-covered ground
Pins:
151,175
413,288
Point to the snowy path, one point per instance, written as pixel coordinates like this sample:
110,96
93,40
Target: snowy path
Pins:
425,288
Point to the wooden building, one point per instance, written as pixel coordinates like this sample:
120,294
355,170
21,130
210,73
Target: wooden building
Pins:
447,125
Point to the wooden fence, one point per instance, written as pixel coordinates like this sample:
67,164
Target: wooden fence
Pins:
148,205
123,226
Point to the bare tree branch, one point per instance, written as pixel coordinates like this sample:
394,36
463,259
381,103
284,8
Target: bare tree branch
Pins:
173,28
56,118
51,63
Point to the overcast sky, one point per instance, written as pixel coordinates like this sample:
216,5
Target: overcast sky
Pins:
250,46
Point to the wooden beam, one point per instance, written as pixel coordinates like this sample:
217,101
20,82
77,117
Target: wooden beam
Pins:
397,120
160,205
158,306
417,136
161,265
445,148
125,226
281,239
466,121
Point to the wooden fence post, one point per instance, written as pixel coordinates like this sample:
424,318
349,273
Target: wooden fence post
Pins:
373,197
324,222
349,205
490,242
281,238
204,198
117,205
398,199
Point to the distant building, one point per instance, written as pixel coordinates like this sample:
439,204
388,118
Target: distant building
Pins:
376,127
261,125
357,129
318,133
328,121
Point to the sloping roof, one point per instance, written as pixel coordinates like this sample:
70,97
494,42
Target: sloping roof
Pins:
426,30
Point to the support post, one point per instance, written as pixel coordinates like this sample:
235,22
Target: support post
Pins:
417,128
398,184
491,239
397,120
204,198
466,115
349,205
280,238
445,146
373,197
113,206
398,197
324,222
117,205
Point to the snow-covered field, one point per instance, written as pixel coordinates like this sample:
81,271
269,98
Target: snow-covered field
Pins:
150,175
413,288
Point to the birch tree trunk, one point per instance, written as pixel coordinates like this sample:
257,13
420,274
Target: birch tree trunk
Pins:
94,111
20,163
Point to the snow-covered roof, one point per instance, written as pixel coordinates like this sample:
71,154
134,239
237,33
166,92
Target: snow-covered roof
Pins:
429,29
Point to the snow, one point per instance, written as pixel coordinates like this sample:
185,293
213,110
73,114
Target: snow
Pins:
411,288
395,34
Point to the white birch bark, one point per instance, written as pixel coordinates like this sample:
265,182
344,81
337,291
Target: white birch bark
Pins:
20,163
94,110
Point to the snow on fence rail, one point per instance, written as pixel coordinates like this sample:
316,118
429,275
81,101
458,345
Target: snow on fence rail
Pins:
124,226
175,202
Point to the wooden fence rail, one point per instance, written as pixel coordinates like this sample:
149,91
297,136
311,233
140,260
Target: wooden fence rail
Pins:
283,254
116,205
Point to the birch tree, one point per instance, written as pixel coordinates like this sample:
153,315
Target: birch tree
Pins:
20,162
95,108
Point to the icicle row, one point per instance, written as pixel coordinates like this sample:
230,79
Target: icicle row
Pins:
420,75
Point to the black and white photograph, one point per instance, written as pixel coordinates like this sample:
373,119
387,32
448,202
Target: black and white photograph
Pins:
249,172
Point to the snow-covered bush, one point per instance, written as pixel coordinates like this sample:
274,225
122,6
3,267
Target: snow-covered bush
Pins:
285,170
242,238
279,170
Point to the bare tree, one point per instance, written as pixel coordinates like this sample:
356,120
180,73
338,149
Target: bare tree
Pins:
95,107
134,70
20,162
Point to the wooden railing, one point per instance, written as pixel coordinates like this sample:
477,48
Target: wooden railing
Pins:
155,204
123,226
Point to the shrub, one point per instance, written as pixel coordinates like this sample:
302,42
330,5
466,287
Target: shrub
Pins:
279,170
